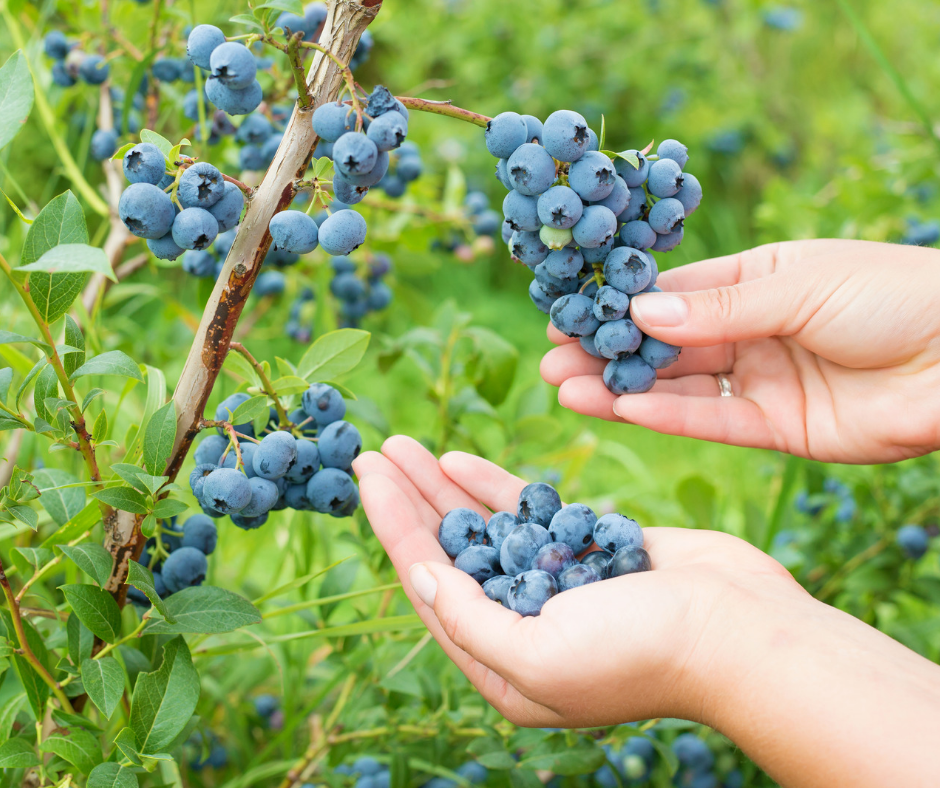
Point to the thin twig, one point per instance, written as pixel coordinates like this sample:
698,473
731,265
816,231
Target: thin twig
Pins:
283,419
445,108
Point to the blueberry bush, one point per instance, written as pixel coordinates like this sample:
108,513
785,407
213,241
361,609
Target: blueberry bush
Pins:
241,243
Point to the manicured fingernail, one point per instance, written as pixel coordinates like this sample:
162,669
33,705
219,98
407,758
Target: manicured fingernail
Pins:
423,583
617,412
658,309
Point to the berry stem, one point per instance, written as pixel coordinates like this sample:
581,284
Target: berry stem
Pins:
283,420
445,108
233,438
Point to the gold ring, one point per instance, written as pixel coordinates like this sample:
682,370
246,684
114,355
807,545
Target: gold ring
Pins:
724,385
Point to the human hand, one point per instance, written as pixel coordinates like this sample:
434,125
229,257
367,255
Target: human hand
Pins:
832,349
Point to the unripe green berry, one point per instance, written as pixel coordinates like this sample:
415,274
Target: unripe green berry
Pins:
554,238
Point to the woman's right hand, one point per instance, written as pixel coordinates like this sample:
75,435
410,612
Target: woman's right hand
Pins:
832,349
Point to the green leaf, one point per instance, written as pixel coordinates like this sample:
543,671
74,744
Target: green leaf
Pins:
491,753
290,384
16,96
293,6
626,156
100,430
127,499
250,409
18,754
72,259
159,438
580,759
333,353
62,502
80,523
119,153
35,556
8,711
91,558
114,362
496,367
131,474
74,338
75,745
80,639
90,397
95,608
24,514
47,385
205,609
9,338
103,680
237,363
164,700
126,742
699,499
111,775
141,578
168,507
153,138
246,19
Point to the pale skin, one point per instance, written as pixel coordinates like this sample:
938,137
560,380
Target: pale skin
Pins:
719,632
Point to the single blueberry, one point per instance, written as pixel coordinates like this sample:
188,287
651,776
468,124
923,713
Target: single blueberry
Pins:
573,315
540,298
227,490
388,131
264,494
306,464
565,135
94,69
675,150
499,527
533,129
610,304
638,235
324,404
560,207
667,216
628,560
520,547
183,568
195,228
573,525
913,541
619,198
481,562
343,232
330,490
504,133
354,153
530,591
617,338
633,176
228,210
461,528
628,270
210,449
690,195
202,42
599,561
497,589
103,144
593,177
596,227
554,558
147,211
339,444
665,178
293,231
236,101
530,170
200,532
200,186
576,576
657,353
275,455
614,531
233,65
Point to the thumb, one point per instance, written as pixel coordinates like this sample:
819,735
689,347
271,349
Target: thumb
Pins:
754,309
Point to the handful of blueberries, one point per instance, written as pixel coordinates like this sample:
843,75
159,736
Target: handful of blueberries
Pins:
522,560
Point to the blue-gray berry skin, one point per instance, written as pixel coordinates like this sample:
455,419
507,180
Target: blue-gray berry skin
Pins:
461,528
233,65
481,562
203,39
598,254
195,228
638,235
634,209
254,130
628,560
227,407
167,69
594,143
675,150
200,186
342,233
538,503
693,753
628,270
295,496
347,191
183,568
542,300
380,296
619,198
610,304
55,45
235,101
275,455
330,490
227,490
564,263
487,222
533,129
554,558
618,338
588,346
504,133
200,532
94,69
630,375
354,153
530,170
553,286
665,178
199,473
521,211
596,227
410,168
248,523
373,176
499,526
527,248
573,315
476,202
657,353
210,450
339,444
293,231
103,144
388,131
323,403
573,525
348,287
669,241
228,210
497,589
593,177
667,216
576,576
381,102
331,121
264,495
690,195
306,464
560,207
61,75
633,176
614,531
599,561
502,172
147,211
565,135
530,591
520,547
200,264
913,541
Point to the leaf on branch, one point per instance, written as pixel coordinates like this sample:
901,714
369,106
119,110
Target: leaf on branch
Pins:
95,608
204,610
90,397
292,6
76,526
16,96
75,745
250,409
333,354
72,360
112,775
114,362
72,259
61,502
8,711
91,558
289,384
167,508
127,499
126,742
153,138
119,153
103,680
141,578
246,19
9,338
18,754
33,556
159,437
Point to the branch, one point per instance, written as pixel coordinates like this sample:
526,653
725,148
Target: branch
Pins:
444,108
283,420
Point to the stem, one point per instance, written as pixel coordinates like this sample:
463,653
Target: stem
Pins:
116,643
24,644
347,77
445,108
283,420
55,561
418,210
297,69
233,437
830,586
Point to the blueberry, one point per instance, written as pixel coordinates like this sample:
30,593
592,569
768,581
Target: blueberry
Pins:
913,541
409,168
200,186
233,65
667,216
330,490
693,753
228,210
473,772
265,705
183,568
521,211
200,532
264,494
247,450
393,186
342,233
573,315
553,286
324,403
339,444
538,503
194,228
658,354
675,150
295,496
614,531
528,248
501,173
306,464
347,287
630,375
366,766
638,235
477,202
354,153
497,589
617,338
610,304
633,176
530,170
367,179
254,130
573,525
576,576
388,131
668,242
61,75
227,490
618,201
540,298
563,263
596,227
690,195
167,69
599,561
533,129
200,264
202,42
499,526
275,455
227,407
565,135
593,178
505,133
248,523
94,69
628,270
147,211
198,474
380,296
103,144
628,560
144,163
461,528
665,178
597,254
381,102
55,45
588,346
235,101
487,223
481,562
635,206
530,591
210,449
520,547
342,265
560,207
554,558
293,231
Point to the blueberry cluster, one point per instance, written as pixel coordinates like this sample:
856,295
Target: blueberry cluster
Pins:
586,223
71,63
309,24
207,263
260,138
206,204
486,220
524,559
231,85
369,773
633,761
279,471
360,289
835,493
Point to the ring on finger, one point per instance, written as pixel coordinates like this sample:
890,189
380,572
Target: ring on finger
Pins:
724,385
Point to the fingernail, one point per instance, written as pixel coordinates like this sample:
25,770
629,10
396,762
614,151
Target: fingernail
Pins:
423,583
658,309
617,412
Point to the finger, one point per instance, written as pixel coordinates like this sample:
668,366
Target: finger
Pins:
569,361
588,395
692,386
733,420
483,480
422,468
557,337
372,462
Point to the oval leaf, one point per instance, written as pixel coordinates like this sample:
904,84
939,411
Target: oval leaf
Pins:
205,609
73,259
114,362
103,680
96,609
111,775
16,96
159,437
333,353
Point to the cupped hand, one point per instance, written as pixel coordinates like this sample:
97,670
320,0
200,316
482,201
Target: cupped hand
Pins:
636,647
832,349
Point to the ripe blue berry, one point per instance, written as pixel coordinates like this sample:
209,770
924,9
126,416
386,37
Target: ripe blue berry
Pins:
235,101
248,523
264,494
306,464
628,560
573,525
293,231
633,176
103,144
388,131
628,270
614,531
210,449
183,568
372,177
597,254
342,233
564,263
690,195
560,207
598,560
200,186
324,403
675,150
596,227
504,133
538,503
554,558
354,153
573,315
55,45
658,354
530,591
331,121
194,228
147,211
227,407
638,235
565,135
499,526
201,264
200,532
610,304
593,177
665,178
533,129
254,130
617,338
94,69
202,41
497,589
228,210
668,242
461,528
275,455
576,576
530,170
667,216
913,541
144,163
227,490
167,69
527,247
540,298
553,286
630,375
339,444
521,211
330,490
233,65
61,75
588,346
481,562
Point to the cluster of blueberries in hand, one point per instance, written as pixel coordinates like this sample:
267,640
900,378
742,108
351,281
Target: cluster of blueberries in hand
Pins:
586,223
280,471
231,85
523,559
206,204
